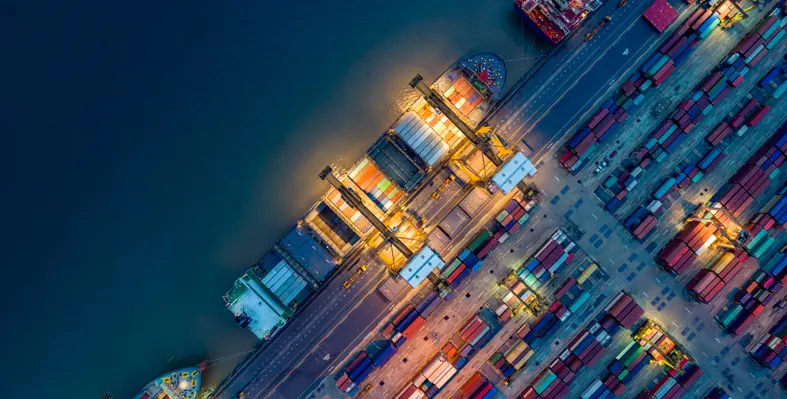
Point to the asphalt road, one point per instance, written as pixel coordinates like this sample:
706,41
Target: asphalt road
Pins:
571,83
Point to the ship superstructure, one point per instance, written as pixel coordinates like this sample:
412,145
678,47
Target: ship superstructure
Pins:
178,384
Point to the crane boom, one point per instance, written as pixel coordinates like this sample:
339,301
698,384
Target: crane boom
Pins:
437,102
351,198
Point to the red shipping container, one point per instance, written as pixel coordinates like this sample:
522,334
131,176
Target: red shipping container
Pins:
758,115
710,81
597,117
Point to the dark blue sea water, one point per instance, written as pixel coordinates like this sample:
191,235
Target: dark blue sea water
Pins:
152,151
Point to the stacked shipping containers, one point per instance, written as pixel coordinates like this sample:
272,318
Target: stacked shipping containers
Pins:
669,387
584,350
717,273
432,378
477,387
506,222
557,252
757,293
513,355
625,310
652,73
362,366
771,350
681,252
671,133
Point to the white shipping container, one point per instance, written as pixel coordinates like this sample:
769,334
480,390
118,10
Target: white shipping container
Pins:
419,379
447,376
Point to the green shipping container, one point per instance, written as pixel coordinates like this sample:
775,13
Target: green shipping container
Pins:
773,174
771,30
626,349
710,29
766,243
726,317
668,133
628,105
610,182
627,360
651,143
776,40
717,88
623,374
697,95
661,157
756,240
620,100
502,215
579,302
638,99
524,218
479,240
646,85
495,358
707,109
655,68
697,177
451,268
543,383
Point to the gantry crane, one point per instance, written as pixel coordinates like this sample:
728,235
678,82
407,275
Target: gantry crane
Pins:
351,198
434,99
740,15
734,242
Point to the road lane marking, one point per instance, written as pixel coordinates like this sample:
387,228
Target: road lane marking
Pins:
594,216
646,294
687,309
676,326
717,340
556,178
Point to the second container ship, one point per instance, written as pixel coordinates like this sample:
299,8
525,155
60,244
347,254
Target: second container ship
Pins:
383,180
553,20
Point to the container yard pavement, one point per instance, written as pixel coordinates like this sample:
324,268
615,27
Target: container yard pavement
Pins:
571,81
631,266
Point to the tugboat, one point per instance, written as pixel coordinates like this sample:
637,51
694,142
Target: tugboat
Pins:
178,384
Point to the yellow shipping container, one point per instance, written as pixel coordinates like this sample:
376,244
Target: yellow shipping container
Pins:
722,262
514,352
586,273
524,359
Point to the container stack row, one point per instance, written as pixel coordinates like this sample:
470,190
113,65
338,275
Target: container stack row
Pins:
669,387
624,310
552,383
672,53
513,355
583,351
404,325
557,252
476,387
719,271
515,214
428,382
626,365
717,393
756,293
474,335
363,364
669,136
771,350
691,241
506,223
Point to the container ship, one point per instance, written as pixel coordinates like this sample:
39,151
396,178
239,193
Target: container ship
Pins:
553,20
383,181
178,384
